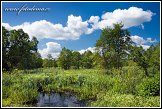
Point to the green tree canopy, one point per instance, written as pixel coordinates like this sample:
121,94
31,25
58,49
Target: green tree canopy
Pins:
65,58
76,58
19,51
87,59
49,61
114,44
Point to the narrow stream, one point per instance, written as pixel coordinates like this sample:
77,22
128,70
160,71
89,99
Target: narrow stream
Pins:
58,100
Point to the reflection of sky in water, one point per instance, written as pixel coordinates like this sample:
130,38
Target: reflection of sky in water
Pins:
58,100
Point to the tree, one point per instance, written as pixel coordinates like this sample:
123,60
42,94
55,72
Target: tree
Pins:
36,60
65,58
76,57
87,59
98,61
148,59
138,56
19,51
114,44
153,54
49,61
49,56
33,44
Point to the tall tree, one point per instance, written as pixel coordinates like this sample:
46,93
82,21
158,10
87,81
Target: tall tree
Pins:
87,59
19,51
65,59
138,56
36,60
114,44
153,56
76,58
98,61
33,44
148,59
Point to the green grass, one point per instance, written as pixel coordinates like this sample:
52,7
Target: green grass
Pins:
20,88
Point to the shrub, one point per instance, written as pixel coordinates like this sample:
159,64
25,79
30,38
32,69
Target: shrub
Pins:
111,99
152,71
127,78
149,86
23,96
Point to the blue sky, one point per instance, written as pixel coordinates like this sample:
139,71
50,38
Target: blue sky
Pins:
78,25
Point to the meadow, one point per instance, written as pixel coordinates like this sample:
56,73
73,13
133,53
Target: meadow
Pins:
101,88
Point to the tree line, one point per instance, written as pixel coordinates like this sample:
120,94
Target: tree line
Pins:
69,59
114,49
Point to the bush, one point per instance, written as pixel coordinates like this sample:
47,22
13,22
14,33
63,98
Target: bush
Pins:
111,99
23,96
152,71
149,86
126,79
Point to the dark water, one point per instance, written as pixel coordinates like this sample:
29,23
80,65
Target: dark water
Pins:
58,100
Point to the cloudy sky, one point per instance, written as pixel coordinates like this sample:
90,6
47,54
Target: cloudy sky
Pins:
78,25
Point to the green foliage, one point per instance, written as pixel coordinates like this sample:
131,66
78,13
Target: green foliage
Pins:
111,99
87,59
98,61
49,61
149,60
21,87
51,80
76,58
65,58
24,96
33,44
72,59
154,59
5,46
19,51
127,78
114,42
35,61
130,78
149,86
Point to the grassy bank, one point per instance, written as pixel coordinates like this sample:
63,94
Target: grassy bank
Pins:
100,87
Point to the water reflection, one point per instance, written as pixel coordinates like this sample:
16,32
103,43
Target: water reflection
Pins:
58,100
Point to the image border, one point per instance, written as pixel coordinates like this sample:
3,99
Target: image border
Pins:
77,1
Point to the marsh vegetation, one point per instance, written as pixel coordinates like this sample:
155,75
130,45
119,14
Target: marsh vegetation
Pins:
118,74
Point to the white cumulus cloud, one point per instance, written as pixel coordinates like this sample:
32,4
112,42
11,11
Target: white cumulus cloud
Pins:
53,48
129,17
92,49
44,29
94,21
140,41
